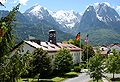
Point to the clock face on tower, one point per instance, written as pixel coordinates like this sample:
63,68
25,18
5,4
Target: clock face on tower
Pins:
51,35
54,35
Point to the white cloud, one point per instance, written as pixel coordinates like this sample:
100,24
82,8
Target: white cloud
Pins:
23,2
3,1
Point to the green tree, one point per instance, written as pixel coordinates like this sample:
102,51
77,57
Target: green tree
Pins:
41,63
6,35
96,67
11,66
76,42
15,66
113,62
63,61
6,41
87,52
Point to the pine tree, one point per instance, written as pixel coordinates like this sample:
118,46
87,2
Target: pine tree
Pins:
6,41
7,38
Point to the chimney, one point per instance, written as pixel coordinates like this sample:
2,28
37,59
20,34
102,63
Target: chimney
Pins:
36,41
52,36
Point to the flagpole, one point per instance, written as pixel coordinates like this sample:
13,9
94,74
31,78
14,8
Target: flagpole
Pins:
80,48
87,55
87,48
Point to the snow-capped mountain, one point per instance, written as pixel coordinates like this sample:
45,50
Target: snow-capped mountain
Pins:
102,23
89,20
38,13
67,18
106,13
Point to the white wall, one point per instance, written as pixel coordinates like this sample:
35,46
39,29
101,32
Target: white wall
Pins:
75,54
23,48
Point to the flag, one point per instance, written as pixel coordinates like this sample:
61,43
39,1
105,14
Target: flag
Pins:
86,39
78,36
2,4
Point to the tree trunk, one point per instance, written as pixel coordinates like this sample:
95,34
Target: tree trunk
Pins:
113,75
97,80
2,32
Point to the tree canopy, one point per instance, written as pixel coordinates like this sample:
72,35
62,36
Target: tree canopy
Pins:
113,62
41,63
96,67
87,52
63,61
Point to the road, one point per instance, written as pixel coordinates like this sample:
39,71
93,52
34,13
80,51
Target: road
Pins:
81,78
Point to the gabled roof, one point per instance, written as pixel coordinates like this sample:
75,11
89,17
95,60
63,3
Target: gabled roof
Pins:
116,47
47,46
52,47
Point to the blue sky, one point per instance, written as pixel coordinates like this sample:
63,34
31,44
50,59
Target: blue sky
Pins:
54,5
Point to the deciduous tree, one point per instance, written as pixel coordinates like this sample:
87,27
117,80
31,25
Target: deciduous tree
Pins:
87,52
41,63
113,62
63,61
96,67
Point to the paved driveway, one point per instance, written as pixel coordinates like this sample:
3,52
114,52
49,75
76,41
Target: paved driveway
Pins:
83,77
111,75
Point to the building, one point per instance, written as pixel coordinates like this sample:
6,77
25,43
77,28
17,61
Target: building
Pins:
51,46
115,46
104,50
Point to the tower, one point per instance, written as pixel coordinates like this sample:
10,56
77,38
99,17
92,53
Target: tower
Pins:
52,36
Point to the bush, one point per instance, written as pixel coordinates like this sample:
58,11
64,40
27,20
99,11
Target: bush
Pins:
63,61
83,65
77,68
71,74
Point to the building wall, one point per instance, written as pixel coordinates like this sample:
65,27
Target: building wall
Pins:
75,54
23,49
76,57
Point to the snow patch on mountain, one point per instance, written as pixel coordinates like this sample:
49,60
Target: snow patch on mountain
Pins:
67,18
37,11
100,18
106,13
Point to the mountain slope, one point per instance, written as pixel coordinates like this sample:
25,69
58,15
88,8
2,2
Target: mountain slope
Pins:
101,23
39,30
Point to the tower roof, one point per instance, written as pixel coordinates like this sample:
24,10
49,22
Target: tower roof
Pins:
51,30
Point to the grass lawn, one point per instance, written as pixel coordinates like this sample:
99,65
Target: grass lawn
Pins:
95,81
54,79
71,74
113,80
58,79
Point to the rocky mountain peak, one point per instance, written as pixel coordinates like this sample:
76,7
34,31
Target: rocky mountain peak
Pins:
37,11
67,18
106,13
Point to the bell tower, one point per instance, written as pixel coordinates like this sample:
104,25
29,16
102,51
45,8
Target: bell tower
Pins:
52,36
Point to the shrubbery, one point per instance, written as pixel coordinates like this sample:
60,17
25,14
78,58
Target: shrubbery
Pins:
63,61
77,68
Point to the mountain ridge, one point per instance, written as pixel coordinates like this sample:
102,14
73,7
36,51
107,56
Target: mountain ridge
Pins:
94,21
